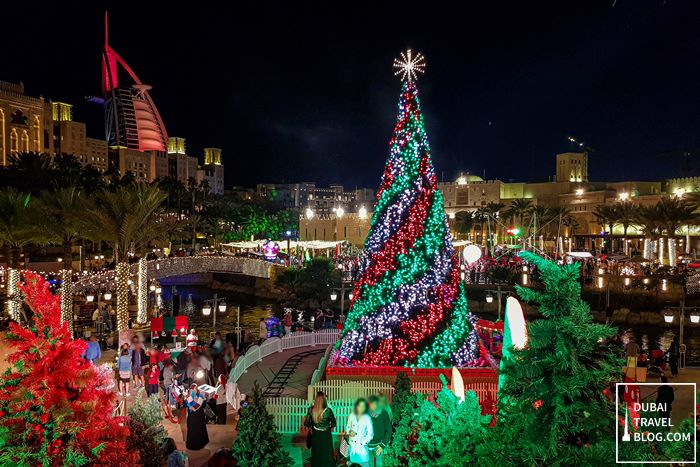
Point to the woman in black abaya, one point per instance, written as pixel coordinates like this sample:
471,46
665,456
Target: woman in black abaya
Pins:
197,435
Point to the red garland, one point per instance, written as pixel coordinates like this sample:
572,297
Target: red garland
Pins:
60,397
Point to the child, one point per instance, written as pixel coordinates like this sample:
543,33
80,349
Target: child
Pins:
152,386
124,367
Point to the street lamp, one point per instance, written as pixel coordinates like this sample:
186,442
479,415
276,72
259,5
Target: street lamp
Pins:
214,303
334,295
489,298
668,317
108,295
90,298
695,317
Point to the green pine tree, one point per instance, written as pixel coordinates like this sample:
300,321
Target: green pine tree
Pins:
402,395
147,432
258,443
556,411
445,433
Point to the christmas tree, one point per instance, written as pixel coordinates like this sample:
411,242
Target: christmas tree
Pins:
258,443
556,412
409,307
55,407
189,309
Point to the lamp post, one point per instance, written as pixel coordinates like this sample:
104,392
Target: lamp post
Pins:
211,307
499,294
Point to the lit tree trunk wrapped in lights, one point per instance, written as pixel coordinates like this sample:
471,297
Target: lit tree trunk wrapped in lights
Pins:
122,274
409,306
67,298
142,291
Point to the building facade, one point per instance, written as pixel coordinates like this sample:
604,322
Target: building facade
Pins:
470,195
24,122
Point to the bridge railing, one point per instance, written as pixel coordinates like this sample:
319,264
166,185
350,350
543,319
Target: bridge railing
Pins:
271,345
179,266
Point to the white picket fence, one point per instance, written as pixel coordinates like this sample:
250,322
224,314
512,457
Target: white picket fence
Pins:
271,345
289,412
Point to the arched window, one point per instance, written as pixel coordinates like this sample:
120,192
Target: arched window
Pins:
13,141
36,134
25,141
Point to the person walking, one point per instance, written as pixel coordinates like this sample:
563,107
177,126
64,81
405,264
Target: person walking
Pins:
138,361
93,352
381,429
124,368
287,322
263,329
152,386
320,421
359,430
665,396
673,354
220,399
106,315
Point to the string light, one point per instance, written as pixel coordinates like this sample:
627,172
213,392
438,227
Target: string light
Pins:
12,304
142,291
122,285
67,298
409,306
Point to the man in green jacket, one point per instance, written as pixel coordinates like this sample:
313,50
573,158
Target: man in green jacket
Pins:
381,423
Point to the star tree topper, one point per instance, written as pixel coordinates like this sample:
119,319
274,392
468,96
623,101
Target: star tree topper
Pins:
409,65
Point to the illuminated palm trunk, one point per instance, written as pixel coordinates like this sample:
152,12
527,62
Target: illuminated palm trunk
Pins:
67,298
122,295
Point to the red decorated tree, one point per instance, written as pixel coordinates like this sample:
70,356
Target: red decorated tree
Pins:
56,408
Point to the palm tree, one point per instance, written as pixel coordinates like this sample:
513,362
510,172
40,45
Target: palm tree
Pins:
560,214
63,218
194,222
464,222
626,213
128,218
672,213
18,223
607,215
518,209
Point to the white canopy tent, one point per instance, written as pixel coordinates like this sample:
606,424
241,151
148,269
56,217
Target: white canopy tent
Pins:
309,245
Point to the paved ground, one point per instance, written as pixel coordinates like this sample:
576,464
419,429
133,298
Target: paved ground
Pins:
265,372
684,402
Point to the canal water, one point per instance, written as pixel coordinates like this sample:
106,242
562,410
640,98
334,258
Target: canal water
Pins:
254,308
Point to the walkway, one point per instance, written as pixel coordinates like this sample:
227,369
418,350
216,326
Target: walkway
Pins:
266,372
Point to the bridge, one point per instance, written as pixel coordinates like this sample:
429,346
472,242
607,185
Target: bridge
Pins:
144,271
180,266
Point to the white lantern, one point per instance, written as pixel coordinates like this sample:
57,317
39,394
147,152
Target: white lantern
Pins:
695,317
206,309
108,295
334,295
471,254
90,297
489,298
222,307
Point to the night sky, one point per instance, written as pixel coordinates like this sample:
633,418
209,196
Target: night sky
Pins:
301,91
